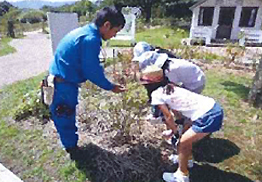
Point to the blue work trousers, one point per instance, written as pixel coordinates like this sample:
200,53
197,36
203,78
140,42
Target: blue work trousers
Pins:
63,112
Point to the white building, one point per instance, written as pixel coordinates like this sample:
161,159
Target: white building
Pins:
235,20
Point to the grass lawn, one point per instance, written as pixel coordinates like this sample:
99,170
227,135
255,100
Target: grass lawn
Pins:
5,48
164,37
230,155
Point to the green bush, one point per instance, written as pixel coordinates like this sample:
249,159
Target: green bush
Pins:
30,105
122,112
191,52
33,17
5,48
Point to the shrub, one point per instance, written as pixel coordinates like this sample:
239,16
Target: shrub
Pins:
191,52
33,17
118,111
30,105
233,52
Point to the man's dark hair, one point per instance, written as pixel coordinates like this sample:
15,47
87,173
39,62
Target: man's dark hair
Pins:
111,14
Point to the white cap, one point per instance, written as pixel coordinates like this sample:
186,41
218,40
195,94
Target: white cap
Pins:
151,58
139,49
151,74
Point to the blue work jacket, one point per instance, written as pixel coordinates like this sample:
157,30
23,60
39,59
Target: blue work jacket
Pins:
76,58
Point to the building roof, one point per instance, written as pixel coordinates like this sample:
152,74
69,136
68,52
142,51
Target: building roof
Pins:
197,4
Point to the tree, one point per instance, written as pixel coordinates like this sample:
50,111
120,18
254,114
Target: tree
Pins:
4,7
10,28
145,5
82,8
178,8
47,8
255,94
33,16
9,19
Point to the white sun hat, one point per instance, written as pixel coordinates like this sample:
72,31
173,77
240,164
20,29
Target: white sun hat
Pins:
151,74
150,64
139,49
151,58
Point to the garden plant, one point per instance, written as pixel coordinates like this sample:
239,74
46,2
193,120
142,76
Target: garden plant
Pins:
118,144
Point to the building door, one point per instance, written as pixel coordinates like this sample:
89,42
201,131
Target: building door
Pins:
225,22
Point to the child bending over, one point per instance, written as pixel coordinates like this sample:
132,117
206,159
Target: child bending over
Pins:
206,116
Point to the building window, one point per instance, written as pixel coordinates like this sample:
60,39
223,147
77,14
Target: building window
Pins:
205,16
248,17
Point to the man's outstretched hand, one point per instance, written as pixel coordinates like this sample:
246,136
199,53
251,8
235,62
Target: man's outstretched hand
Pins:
119,89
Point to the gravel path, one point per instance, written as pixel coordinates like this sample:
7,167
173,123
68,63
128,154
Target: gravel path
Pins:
33,55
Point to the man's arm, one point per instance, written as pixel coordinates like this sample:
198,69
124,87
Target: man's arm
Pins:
91,68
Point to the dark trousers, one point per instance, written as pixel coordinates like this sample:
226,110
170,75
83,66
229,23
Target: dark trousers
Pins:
63,112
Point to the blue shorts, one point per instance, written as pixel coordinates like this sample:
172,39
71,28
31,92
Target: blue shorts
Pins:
209,122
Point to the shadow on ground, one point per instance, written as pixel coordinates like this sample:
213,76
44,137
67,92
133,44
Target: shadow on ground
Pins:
144,163
208,173
141,163
214,150
237,88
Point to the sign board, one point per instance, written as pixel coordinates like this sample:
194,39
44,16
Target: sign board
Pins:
60,24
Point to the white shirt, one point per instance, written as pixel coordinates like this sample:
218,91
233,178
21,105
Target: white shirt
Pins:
185,72
190,104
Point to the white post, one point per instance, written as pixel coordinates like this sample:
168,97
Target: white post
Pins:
235,27
215,20
208,37
242,38
258,19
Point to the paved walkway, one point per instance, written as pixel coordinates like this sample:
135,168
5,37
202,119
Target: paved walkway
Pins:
7,176
34,53
32,58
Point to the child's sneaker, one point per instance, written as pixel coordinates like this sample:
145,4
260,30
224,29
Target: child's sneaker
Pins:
174,159
175,177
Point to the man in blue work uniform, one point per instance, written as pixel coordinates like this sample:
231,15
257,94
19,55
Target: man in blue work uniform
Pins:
77,60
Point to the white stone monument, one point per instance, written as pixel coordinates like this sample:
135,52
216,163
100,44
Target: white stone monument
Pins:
60,24
129,30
